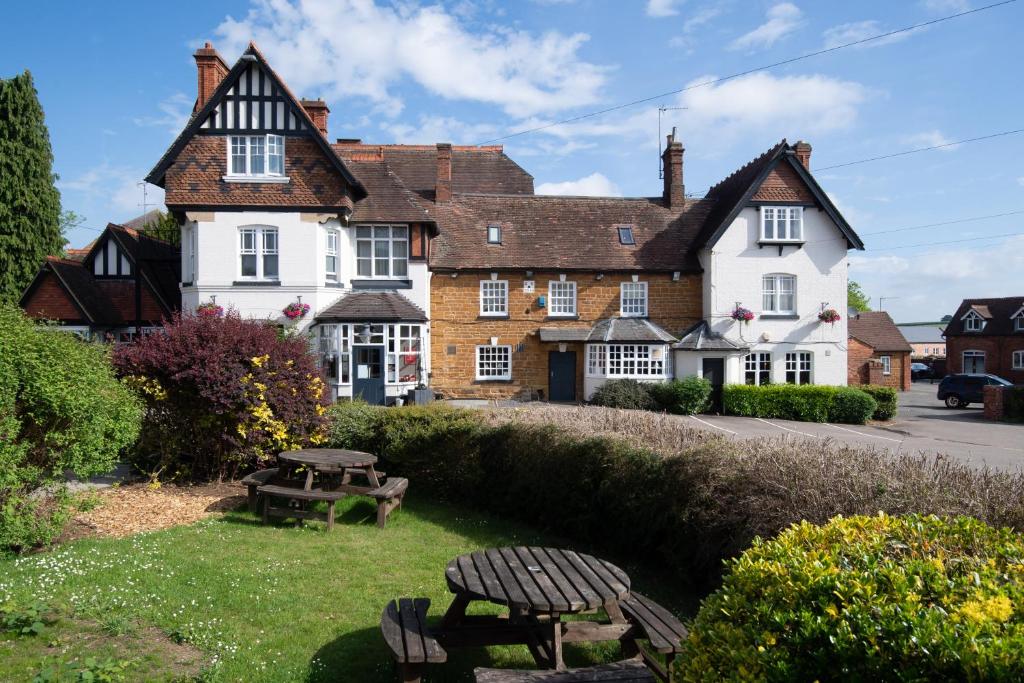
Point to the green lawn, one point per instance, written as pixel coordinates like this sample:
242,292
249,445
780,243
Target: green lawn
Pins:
274,603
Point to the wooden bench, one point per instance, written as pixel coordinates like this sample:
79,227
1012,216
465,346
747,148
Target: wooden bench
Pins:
619,672
660,627
269,491
404,627
255,480
389,496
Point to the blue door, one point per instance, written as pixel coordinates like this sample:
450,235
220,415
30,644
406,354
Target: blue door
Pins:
562,376
368,374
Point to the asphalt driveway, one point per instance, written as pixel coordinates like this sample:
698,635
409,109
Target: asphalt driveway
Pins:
924,425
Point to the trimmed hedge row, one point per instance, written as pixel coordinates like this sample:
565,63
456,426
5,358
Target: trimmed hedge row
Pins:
679,396
803,403
887,399
1013,403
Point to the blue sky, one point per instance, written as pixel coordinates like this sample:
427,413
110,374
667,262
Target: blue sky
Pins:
117,81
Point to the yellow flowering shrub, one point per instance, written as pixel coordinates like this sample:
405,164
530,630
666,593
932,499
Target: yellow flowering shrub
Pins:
867,598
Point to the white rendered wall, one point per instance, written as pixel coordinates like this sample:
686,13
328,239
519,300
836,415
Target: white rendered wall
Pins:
733,270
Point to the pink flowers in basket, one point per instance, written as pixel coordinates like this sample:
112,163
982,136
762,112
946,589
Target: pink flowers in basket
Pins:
829,315
743,315
209,310
295,310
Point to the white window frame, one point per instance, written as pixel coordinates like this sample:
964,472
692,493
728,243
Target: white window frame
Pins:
332,242
633,311
786,223
886,364
795,363
260,251
973,353
1018,360
628,361
491,300
973,322
561,304
493,234
1018,322
397,236
268,142
597,360
759,363
188,256
499,357
773,305
404,340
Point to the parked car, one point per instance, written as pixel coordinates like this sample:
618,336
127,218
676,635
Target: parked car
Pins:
959,391
921,371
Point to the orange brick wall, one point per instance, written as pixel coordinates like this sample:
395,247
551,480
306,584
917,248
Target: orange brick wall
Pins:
50,302
860,358
456,325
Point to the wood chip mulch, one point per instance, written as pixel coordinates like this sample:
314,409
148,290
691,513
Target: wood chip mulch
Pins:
133,508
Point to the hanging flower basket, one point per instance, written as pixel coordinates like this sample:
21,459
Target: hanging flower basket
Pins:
210,310
830,316
743,315
295,310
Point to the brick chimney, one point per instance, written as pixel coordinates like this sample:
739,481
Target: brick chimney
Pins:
318,111
672,164
443,186
212,71
803,153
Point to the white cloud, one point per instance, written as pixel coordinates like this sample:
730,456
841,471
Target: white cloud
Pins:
946,6
698,19
933,281
341,49
859,30
430,129
928,138
174,113
662,8
593,185
117,189
781,20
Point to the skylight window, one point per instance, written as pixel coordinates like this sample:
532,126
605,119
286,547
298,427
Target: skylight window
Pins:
494,234
626,235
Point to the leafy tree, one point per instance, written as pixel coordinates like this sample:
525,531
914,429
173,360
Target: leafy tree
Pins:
165,228
29,202
856,298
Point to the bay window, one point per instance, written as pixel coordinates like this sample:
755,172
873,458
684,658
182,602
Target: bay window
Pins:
331,260
782,223
258,253
798,367
779,294
758,369
626,360
255,155
404,352
561,298
382,251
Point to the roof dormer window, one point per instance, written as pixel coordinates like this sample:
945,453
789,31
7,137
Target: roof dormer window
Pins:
1018,321
782,223
256,157
626,235
973,322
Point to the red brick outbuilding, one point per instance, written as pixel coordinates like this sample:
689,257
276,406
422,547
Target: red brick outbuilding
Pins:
878,353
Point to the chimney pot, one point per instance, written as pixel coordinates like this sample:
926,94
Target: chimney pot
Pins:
443,185
211,70
318,111
672,162
803,153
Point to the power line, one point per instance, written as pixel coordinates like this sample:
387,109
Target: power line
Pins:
922,149
580,117
953,222
936,244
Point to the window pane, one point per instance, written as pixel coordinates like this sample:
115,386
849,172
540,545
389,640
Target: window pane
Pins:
270,265
332,267
364,268
364,232
256,155
363,249
249,265
275,154
401,268
380,248
237,155
381,268
270,241
381,232
769,223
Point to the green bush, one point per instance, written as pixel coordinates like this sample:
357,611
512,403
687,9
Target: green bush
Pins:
1013,403
804,403
851,406
61,408
682,396
624,393
867,598
886,399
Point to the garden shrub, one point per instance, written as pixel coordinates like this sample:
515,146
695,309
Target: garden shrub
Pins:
867,598
1013,403
851,406
686,396
61,409
624,393
803,403
886,398
222,395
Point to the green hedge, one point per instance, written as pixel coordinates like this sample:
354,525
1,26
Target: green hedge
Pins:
686,396
1013,403
867,598
805,403
887,399
624,393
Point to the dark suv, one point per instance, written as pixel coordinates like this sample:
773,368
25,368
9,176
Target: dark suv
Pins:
958,391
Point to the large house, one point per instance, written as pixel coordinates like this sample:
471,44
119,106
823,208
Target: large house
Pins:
987,336
438,264
878,352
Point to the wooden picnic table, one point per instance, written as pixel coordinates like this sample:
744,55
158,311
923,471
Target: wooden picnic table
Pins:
329,461
539,586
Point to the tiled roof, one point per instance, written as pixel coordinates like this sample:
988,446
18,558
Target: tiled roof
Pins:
372,306
920,334
609,330
997,314
157,261
99,309
566,233
485,170
701,337
387,197
877,330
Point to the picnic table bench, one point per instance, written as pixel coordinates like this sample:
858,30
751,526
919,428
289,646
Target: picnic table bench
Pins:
539,586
